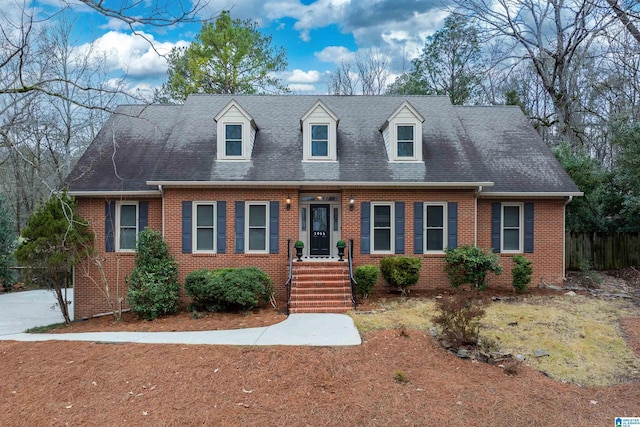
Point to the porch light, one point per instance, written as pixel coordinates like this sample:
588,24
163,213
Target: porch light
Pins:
288,202
351,203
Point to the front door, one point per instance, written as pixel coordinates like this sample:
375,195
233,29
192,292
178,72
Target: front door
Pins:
320,237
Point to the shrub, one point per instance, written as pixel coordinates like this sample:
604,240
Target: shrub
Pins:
400,376
470,265
228,289
366,276
153,285
400,272
522,271
459,318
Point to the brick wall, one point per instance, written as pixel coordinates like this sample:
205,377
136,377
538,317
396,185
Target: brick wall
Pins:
547,258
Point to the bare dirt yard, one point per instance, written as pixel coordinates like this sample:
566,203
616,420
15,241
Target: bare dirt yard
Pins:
69,383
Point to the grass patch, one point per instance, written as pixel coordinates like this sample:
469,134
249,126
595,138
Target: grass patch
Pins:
582,335
45,329
408,313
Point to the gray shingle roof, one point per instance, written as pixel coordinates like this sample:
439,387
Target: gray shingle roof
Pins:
178,143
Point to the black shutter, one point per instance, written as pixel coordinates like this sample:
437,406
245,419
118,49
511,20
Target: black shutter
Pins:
239,227
496,213
274,231
109,226
452,225
399,220
418,228
221,227
187,226
528,227
143,215
365,227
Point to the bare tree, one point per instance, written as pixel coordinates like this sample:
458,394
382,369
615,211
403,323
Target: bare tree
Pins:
368,74
553,36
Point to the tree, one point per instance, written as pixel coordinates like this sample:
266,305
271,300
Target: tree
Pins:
367,74
627,173
228,56
449,63
554,36
7,244
55,240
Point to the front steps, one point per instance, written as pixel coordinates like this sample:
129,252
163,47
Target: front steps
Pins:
320,287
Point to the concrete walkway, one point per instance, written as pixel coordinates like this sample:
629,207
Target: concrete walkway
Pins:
20,312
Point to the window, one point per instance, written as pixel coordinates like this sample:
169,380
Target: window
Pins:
257,227
233,140
319,140
382,227
435,226
405,141
512,227
127,226
204,227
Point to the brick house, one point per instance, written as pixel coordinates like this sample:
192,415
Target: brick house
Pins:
234,180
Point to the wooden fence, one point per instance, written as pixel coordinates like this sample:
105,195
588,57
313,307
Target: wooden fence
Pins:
602,251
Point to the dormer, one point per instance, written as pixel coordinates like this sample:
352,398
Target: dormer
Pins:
319,134
236,133
402,133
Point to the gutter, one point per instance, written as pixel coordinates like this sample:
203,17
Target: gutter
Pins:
475,216
139,193
308,184
521,194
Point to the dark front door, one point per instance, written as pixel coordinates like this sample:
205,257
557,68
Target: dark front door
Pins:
320,234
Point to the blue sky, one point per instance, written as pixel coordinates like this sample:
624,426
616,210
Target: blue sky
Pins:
317,35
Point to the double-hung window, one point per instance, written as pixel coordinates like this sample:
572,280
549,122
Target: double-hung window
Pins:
126,226
233,139
204,232
382,227
320,140
405,141
512,227
257,227
435,223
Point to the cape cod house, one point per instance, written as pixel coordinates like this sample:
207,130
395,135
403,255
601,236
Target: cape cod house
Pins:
235,180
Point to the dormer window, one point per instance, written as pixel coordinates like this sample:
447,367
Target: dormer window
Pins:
402,134
236,133
233,140
319,134
319,140
406,141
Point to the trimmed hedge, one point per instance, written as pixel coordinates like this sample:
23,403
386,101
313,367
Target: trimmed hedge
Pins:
401,272
366,276
228,289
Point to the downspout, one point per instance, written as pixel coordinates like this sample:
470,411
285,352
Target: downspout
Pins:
564,237
161,189
475,218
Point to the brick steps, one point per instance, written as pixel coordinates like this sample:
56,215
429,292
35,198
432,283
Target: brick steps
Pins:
320,288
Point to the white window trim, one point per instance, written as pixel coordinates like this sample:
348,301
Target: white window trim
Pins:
444,227
247,228
194,231
119,205
392,227
520,225
242,141
329,144
396,142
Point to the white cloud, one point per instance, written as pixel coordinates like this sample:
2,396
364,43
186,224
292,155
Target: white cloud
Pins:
300,88
300,76
135,55
335,54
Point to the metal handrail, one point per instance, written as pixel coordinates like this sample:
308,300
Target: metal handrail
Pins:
287,285
352,280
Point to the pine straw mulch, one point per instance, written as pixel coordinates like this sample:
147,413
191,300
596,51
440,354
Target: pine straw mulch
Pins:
72,383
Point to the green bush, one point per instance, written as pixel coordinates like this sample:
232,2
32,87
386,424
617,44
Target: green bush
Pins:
522,271
366,276
470,265
228,289
401,272
459,318
153,286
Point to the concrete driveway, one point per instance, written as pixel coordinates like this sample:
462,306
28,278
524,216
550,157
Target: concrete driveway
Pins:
27,309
